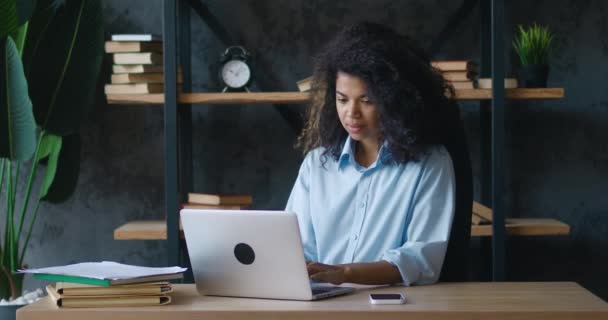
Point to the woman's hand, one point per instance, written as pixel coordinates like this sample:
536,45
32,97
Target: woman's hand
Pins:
371,273
334,274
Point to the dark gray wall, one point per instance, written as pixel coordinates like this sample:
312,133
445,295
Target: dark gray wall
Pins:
556,155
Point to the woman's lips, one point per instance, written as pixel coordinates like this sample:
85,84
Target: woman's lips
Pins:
355,128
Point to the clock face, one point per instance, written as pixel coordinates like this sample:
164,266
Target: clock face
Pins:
236,73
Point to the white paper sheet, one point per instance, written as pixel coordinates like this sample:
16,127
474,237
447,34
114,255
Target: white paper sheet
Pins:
105,270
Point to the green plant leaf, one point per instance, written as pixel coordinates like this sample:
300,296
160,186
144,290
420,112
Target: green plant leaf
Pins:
63,55
67,172
46,146
38,28
13,14
53,144
533,44
17,126
9,18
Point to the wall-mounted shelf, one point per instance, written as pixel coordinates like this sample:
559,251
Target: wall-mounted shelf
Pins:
525,227
213,98
142,230
513,94
157,229
302,97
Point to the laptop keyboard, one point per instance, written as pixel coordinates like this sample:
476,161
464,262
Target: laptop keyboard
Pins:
319,290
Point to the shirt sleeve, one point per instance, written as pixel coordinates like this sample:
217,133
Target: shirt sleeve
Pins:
420,258
299,202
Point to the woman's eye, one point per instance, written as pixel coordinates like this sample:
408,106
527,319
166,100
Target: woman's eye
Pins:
341,100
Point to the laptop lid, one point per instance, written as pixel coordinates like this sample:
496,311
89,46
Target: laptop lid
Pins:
246,253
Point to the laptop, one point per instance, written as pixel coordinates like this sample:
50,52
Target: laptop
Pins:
250,253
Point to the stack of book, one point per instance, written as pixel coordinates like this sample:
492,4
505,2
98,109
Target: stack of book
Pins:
486,83
137,64
73,295
304,84
481,214
108,284
217,201
460,73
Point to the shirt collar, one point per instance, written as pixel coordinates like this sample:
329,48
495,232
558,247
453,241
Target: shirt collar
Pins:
348,155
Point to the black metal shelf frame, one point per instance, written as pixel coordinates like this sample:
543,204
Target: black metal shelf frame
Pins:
178,123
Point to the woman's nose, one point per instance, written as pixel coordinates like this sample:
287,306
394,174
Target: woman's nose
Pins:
353,110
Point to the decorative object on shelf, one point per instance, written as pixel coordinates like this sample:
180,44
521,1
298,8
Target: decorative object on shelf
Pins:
533,46
41,112
235,72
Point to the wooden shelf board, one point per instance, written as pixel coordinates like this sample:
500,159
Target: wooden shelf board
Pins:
514,94
214,98
302,97
157,229
525,227
143,230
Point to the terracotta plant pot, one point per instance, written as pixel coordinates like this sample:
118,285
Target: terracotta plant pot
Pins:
534,75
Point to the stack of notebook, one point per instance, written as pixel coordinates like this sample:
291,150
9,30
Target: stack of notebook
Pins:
218,201
73,295
137,64
108,284
460,73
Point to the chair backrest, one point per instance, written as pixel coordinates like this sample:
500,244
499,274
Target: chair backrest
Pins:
455,265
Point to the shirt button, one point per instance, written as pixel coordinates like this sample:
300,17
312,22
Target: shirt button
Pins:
356,237
362,204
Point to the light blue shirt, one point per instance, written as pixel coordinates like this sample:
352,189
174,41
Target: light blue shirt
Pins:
400,213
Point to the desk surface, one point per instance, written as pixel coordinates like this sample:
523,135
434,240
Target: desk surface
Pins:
487,300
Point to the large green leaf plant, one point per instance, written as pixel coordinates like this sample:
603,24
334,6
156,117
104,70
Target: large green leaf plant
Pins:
50,57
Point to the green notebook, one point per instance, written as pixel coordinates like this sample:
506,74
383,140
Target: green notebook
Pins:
105,282
105,273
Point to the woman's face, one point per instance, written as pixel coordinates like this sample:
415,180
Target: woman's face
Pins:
358,114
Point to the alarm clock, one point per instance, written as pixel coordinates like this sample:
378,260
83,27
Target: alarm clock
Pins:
235,73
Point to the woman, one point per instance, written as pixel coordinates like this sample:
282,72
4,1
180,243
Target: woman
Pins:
375,192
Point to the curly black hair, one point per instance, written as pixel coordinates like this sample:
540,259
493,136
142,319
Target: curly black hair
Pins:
415,103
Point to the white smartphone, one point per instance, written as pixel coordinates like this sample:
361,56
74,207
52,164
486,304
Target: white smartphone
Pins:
386,298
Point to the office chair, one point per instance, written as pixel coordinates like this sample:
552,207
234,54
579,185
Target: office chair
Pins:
455,265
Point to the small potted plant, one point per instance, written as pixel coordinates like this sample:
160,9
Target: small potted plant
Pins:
533,46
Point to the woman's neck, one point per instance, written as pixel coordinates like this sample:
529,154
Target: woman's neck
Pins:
366,153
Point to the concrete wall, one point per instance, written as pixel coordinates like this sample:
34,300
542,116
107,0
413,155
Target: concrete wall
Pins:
556,155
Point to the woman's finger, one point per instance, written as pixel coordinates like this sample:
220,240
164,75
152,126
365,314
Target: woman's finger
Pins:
320,276
327,276
317,266
313,269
